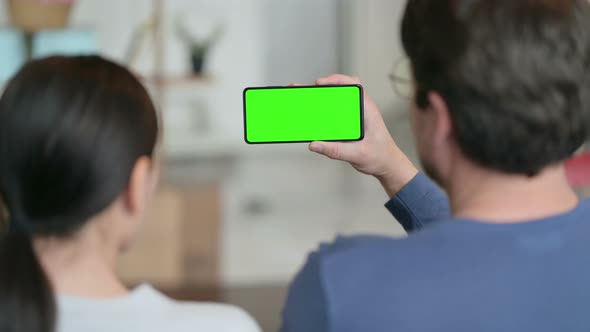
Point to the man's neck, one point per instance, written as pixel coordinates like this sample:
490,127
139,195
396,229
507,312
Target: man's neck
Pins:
491,196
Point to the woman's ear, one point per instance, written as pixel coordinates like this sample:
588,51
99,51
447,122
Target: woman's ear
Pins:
142,184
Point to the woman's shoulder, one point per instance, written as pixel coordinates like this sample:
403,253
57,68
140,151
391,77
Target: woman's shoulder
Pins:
202,315
215,316
146,309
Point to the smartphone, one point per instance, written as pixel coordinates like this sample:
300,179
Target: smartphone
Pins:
303,114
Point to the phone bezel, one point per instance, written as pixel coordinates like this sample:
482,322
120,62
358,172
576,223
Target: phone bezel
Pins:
362,111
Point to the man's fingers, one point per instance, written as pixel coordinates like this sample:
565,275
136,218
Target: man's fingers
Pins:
334,150
338,79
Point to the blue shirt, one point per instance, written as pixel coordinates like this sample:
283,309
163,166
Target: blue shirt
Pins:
449,275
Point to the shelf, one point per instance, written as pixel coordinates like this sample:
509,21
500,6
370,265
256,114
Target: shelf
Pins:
197,159
194,147
187,80
198,147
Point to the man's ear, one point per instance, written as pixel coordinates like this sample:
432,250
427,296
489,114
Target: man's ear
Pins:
141,186
443,124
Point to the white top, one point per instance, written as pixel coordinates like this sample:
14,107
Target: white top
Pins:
147,310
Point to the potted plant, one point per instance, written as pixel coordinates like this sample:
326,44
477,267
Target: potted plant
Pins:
34,15
199,48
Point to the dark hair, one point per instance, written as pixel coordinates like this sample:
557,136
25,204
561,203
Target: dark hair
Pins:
71,131
514,74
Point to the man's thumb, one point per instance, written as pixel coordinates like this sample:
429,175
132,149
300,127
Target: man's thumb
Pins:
332,150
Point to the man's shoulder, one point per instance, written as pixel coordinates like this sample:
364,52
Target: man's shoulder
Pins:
440,237
450,241
375,254
364,244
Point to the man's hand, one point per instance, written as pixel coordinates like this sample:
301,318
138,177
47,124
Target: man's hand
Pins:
377,154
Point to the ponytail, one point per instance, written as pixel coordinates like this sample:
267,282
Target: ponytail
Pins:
27,303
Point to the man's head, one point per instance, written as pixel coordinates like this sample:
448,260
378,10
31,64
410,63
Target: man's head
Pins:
502,83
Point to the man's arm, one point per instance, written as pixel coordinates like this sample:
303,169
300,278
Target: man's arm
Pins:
415,199
376,154
419,203
306,307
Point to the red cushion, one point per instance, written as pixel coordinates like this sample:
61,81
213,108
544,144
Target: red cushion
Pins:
577,170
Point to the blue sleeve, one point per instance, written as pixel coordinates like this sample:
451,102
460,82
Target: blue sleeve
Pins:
419,203
306,308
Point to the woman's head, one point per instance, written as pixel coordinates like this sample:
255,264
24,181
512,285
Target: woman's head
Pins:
77,139
72,132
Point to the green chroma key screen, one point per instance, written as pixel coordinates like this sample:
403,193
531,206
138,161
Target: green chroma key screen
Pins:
303,114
